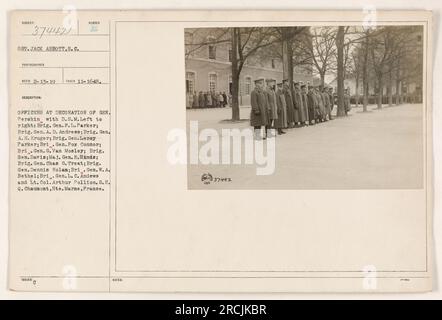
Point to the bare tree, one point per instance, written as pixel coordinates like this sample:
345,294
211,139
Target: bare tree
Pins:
357,60
381,51
199,38
355,70
287,48
245,43
322,50
290,49
350,61
340,38
365,72
407,59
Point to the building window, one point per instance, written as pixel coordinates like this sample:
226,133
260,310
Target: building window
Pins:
190,82
248,85
230,55
273,64
211,47
212,82
230,84
419,38
212,52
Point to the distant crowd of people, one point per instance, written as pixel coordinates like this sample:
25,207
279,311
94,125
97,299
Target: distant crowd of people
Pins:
208,99
415,97
282,106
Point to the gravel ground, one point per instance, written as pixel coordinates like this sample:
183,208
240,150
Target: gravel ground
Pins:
379,149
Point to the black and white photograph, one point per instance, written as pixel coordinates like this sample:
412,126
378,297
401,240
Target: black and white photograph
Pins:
305,107
251,153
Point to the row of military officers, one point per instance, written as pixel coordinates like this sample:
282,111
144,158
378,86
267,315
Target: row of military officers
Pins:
281,106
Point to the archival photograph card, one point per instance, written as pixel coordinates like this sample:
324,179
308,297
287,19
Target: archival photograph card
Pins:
220,151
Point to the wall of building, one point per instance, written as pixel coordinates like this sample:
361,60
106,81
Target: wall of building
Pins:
201,67
199,71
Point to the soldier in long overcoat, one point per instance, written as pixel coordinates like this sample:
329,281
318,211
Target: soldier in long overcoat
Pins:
296,105
326,100
209,99
189,100
195,100
271,101
281,122
305,103
289,103
321,105
318,111
225,99
220,99
302,108
258,101
347,100
201,100
312,106
214,99
332,98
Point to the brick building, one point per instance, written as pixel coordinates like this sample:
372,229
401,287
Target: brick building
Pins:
208,67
